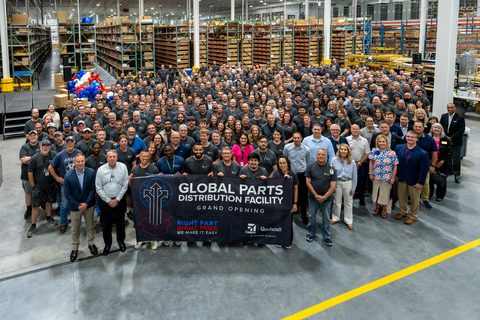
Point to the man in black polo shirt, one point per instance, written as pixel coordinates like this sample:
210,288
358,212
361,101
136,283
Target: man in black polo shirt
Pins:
199,164
253,170
268,159
30,125
96,159
85,145
27,151
226,167
43,185
208,148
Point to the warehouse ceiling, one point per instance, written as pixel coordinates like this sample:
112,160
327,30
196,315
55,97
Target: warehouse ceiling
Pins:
173,9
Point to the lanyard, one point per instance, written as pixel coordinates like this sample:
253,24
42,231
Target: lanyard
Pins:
173,165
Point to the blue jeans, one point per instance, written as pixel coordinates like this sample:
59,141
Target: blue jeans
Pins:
324,208
63,209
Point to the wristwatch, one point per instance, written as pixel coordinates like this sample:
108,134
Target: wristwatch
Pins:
295,203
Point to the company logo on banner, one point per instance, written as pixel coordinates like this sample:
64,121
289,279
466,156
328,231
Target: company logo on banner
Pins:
155,194
251,228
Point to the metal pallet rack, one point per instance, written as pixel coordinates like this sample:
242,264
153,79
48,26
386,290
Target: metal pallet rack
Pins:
225,43
85,46
116,45
173,46
29,48
307,39
146,36
342,41
66,41
267,44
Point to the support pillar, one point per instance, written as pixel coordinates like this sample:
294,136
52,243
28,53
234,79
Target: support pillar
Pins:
327,16
232,12
27,7
41,11
391,11
141,11
423,21
307,9
354,16
118,8
445,55
407,6
246,9
7,81
196,34
36,12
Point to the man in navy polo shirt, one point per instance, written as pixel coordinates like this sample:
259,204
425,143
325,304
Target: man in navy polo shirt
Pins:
179,149
134,142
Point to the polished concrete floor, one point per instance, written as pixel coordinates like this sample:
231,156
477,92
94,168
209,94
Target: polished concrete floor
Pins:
37,281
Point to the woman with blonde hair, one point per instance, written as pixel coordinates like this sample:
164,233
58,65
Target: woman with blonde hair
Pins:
382,172
421,115
271,104
54,114
345,186
255,133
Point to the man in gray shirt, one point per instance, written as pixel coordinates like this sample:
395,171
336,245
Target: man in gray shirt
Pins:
321,178
226,167
111,184
253,170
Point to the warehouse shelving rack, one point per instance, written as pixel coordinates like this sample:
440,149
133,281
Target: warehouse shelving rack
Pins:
146,37
66,41
172,46
308,43
29,47
225,43
85,45
267,44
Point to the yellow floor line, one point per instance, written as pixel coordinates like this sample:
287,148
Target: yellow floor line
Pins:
383,281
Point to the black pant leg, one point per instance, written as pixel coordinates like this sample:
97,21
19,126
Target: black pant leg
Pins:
119,213
106,220
302,193
456,165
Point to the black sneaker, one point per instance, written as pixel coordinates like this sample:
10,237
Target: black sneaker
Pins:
190,243
31,231
57,211
310,237
305,220
362,203
328,242
457,179
28,213
51,221
437,199
207,244
130,215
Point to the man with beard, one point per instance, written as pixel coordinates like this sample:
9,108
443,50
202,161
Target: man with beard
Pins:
85,144
139,125
82,116
170,163
151,134
63,163
67,132
111,126
208,149
59,143
105,144
27,151
30,125
43,185
199,164
157,122
97,158
267,157
143,169
253,170
115,135
167,132
135,142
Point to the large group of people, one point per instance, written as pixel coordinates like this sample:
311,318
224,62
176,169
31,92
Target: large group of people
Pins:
338,135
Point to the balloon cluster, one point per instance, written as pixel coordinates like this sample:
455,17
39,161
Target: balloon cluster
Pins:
79,89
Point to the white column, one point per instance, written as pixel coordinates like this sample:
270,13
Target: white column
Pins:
196,33
36,11
327,14
232,12
246,9
478,9
423,20
4,39
445,58
118,8
141,10
307,9
354,15
27,7
41,11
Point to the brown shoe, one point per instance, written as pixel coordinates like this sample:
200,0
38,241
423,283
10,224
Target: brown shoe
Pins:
332,222
350,226
63,229
409,221
399,216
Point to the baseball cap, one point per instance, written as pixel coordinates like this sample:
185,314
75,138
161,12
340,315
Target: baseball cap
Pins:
67,124
51,124
45,141
87,129
80,122
58,133
32,131
191,118
70,138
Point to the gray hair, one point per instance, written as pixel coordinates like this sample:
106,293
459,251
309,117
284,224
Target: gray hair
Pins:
442,134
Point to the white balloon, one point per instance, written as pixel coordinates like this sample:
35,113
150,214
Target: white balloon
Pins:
110,95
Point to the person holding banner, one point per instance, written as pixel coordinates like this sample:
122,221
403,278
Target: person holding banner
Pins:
145,168
321,180
285,171
199,164
241,150
226,167
170,164
267,157
112,184
253,170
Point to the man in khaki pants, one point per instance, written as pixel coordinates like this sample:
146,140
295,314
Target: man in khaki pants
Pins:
412,170
80,193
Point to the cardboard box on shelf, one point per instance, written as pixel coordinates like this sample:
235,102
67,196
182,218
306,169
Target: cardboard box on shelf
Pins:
62,17
59,77
22,30
19,19
63,91
148,65
129,37
69,21
91,58
59,86
25,61
59,100
64,50
146,17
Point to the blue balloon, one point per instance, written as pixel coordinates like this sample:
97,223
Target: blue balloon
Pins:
75,96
